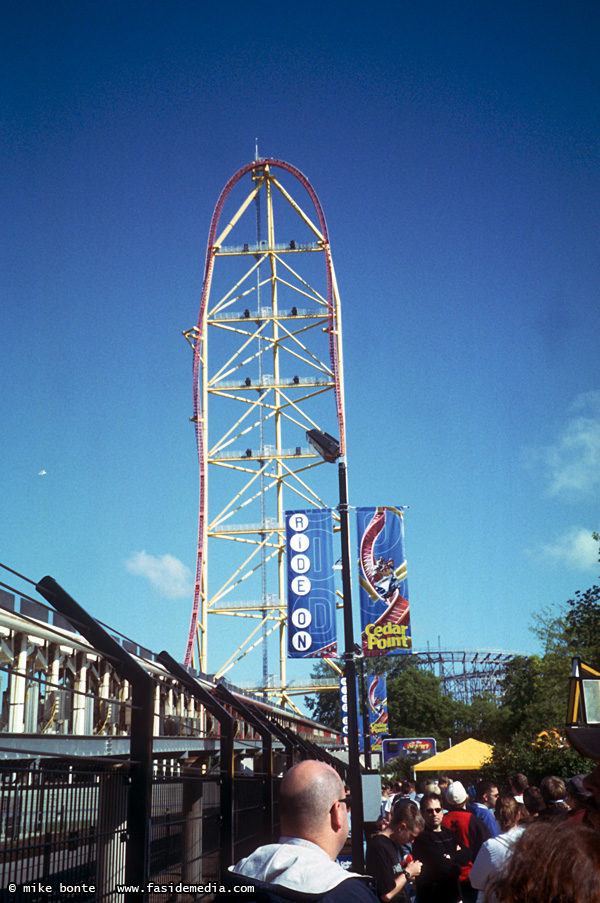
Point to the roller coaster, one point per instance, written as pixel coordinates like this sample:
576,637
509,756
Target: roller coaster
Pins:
463,675
267,367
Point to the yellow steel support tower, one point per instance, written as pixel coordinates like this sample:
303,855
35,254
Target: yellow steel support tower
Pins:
267,367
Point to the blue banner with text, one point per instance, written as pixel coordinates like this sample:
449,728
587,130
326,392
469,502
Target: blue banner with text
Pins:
311,584
384,609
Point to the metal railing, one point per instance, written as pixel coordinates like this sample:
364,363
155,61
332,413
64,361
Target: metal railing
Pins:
64,830
186,782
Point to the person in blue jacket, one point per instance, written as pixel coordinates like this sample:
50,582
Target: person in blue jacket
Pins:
485,802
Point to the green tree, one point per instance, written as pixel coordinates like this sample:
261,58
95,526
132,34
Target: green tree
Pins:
536,687
534,757
484,718
582,625
416,705
535,692
576,630
398,769
325,707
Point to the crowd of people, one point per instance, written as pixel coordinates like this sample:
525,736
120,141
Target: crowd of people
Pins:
434,843
496,845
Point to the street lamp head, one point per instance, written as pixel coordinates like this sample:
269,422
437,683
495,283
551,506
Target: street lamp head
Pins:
324,444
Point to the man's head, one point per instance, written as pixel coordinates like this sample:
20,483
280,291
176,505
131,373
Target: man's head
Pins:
456,795
577,795
533,800
432,811
518,783
433,788
487,793
553,789
313,805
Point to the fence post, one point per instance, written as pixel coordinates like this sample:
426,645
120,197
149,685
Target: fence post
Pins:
266,735
191,817
111,833
226,748
139,803
278,732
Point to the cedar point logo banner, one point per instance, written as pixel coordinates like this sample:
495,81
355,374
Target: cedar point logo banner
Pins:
311,584
384,610
378,713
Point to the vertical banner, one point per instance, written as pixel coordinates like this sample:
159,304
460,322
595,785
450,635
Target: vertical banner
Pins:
311,584
384,611
344,711
344,707
378,713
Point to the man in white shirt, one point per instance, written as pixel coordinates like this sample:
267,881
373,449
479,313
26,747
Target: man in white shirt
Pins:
313,812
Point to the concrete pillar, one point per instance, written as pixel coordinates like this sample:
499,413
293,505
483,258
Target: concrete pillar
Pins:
108,710
18,685
52,692
157,693
69,668
79,698
125,708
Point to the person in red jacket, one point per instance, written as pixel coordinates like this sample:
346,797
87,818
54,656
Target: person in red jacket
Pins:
469,830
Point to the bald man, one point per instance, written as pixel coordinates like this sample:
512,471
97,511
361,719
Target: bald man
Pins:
313,812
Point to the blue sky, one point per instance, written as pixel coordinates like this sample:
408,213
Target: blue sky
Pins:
455,152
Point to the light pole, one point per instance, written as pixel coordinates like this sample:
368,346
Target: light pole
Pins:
328,448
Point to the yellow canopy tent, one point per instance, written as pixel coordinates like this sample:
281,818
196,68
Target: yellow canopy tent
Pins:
470,755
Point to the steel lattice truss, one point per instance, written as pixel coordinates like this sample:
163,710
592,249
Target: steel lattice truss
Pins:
467,674
463,675
267,367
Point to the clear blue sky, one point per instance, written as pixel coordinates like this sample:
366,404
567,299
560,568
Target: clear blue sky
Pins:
454,148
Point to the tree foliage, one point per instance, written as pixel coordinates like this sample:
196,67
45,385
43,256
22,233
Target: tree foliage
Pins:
416,705
483,719
536,758
582,625
535,693
325,707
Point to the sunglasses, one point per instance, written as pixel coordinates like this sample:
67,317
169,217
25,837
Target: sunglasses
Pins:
347,800
433,811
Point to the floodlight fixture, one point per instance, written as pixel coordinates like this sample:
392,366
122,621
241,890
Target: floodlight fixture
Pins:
325,445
